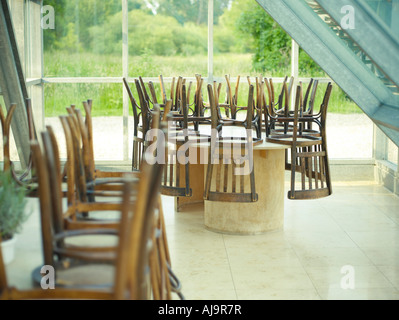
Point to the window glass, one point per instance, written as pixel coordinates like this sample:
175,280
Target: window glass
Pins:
86,40
106,114
392,152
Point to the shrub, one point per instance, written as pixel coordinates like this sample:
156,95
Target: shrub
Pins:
12,206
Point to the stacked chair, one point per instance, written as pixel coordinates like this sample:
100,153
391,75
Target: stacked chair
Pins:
130,257
101,184
305,132
25,179
227,179
124,256
253,112
184,119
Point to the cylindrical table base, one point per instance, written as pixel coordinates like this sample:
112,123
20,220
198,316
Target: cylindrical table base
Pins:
264,215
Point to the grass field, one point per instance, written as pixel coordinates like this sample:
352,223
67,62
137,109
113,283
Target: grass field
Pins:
107,97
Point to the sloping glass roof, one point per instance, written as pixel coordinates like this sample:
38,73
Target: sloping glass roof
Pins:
354,47
362,57
388,12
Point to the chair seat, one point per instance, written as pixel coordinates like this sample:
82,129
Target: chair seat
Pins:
237,140
301,141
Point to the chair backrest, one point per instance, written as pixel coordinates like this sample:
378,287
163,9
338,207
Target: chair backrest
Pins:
151,87
145,107
46,203
52,160
230,170
199,108
324,109
145,93
138,225
163,89
6,125
230,173
135,107
230,99
78,165
135,244
213,104
176,175
139,231
5,121
309,159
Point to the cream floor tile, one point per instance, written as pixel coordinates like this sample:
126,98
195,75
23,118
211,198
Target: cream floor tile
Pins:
196,258
206,283
359,294
279,294
360,189
214,292
193,238
248,259
274,239
349,208
363,218
383,199
389,238
383,256
392,274
319,239
391,212
323,257
341,277
266,277
313,219
344,198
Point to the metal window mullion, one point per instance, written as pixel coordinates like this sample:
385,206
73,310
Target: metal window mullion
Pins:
294,67
382,49
210,41
125,68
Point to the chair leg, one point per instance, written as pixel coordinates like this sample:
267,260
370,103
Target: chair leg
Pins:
293,161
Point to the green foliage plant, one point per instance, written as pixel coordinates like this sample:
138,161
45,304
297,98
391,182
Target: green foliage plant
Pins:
12,206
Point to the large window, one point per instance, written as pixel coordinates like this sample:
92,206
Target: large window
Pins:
95,43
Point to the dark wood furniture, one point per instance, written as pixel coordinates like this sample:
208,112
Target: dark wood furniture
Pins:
309,156
230,161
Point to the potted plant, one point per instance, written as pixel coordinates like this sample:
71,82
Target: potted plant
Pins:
12,213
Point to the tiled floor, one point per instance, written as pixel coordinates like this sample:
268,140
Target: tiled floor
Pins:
342,247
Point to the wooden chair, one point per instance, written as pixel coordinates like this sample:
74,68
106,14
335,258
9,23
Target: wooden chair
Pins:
231,101
138,131
185,114
6,126
160,254
201,106
176,176
99,184
309,156
284,106
25,178
133,250
285,95
230,163
218,122
86,184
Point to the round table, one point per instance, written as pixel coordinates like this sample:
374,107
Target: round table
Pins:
264,215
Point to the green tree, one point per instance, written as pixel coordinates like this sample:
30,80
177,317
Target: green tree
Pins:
50,36
195,11
150,34
270,44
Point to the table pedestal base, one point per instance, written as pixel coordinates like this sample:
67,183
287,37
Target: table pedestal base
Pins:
267,214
